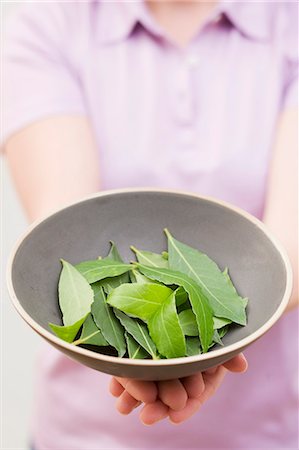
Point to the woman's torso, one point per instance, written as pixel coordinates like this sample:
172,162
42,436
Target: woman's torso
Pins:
202,120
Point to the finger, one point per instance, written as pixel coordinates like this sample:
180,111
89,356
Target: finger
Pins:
192,406
115,388
212,383
153,412
194,385
126,403
237,364
173,394
212,370
144,391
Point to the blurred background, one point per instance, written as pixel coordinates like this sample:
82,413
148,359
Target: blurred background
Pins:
19,345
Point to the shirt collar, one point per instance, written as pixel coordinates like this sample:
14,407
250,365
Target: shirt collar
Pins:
252,19
117,20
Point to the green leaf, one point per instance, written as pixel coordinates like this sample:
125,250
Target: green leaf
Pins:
165,330
165,255
188,322
91,334
114,253
132,276
139,300
229,281
222,332
181,296
192,346
189,326
186,305
69,332
106,321
75,294
219,322
222,296
98,269
199,303
139,332
111,283
134,349
217,338
141,279
150,258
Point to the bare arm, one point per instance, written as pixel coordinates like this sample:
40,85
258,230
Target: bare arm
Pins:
281,212
53,162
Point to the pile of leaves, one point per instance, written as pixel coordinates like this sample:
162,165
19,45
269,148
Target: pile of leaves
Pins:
178,303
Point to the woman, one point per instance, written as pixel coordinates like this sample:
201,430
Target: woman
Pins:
189,95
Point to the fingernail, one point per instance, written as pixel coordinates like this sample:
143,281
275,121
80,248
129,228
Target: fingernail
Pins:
152,423
243,357
244,360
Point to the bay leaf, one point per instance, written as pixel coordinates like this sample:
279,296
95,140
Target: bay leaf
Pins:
150,258
106,321
112,282
181,296
219,322
75,294
188,322
165,255
139,278
67,332
189,325
217,338
192,346
139,332
91,334
98,269
114,253
199,303
139,300
222,296
229,281
135,350
222,332
165,330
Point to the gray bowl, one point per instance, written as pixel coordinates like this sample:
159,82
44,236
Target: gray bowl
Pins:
257,263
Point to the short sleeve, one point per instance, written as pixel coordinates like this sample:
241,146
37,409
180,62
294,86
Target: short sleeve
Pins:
39,79
290,57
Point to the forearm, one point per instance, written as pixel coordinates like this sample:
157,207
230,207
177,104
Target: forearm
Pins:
53,163
281,211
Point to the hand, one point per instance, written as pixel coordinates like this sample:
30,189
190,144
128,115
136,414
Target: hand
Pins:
176,399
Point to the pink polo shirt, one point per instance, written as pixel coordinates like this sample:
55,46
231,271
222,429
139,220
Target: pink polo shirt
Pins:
201,119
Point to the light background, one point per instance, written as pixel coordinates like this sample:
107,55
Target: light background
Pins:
19,344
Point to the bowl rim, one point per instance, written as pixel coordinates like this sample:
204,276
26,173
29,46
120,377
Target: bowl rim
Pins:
220,352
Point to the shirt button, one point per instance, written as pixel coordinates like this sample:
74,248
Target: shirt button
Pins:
192,60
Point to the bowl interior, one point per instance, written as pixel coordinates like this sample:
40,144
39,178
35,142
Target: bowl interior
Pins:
83,231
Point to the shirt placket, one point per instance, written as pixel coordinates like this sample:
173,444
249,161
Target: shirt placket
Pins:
184,107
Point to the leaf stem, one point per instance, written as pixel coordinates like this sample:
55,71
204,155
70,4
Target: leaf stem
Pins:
134,249
81,341
166,231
